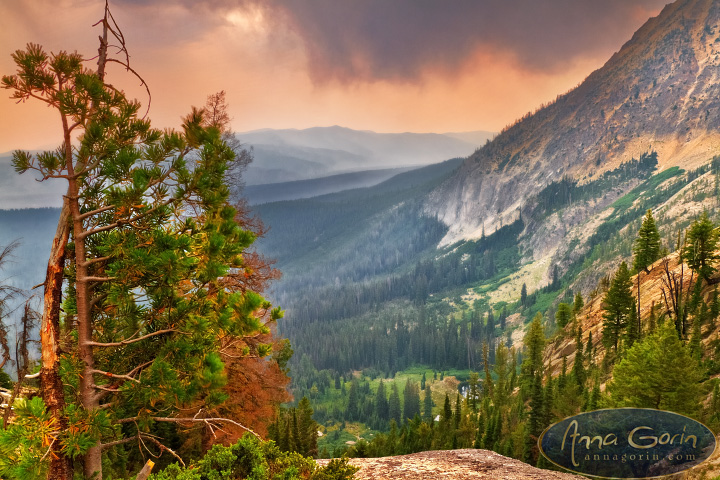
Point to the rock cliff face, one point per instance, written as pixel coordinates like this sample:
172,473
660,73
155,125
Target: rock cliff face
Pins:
452,464
660,92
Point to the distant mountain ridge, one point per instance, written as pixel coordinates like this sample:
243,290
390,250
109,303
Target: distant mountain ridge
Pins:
290,155
660,92
276,192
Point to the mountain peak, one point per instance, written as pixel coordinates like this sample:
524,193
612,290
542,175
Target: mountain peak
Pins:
660,92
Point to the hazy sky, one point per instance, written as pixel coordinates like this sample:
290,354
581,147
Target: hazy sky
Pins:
383,65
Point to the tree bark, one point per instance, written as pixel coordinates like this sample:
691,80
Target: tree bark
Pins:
51,386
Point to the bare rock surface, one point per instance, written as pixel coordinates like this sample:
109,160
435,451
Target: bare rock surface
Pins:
452,464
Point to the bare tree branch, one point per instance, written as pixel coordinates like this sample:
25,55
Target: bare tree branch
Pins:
128,341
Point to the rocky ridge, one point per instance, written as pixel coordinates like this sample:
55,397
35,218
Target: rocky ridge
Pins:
660,92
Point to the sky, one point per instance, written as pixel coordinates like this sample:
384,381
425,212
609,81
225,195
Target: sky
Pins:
382,65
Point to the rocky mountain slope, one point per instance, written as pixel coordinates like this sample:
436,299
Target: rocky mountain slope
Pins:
659,92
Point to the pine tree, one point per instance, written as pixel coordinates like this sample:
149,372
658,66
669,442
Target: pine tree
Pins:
618,303
394,408
382,409
458,411
657,372
411,400
488,383
447,410
646,249
632,333
700,249
353,406
157,255
534,342
715,305
578,304
523,295
308,429
428,404
473,391
531,378
563,315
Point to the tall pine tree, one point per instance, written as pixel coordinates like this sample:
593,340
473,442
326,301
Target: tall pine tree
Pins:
618,302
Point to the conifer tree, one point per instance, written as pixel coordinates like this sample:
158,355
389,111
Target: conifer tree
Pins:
353,407
447,410
657,372
156,272
700,249
458,411
578,303
618,303
488,383
646,249
382,409
473,391
411,400
531,377
394,407
307,428
428,404
534,342
563,315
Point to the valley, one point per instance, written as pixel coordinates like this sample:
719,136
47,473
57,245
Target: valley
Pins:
420,291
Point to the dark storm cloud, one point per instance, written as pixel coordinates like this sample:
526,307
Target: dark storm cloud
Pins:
398,39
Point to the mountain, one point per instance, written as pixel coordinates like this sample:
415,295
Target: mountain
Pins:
659,92
25,191
289,155
314,187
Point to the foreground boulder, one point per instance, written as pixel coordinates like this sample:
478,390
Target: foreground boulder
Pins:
452,464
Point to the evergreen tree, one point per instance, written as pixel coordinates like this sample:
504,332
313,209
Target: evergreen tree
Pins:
447,410
618,303
646,249
411,403
534,342
156,274
578,303
632,333
531,376
473,391
458,411
563,315
657,372
353,406
589,349
394,407
695,344
700,250
523,295
382,409
428,404
308,429
715,305
488,383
